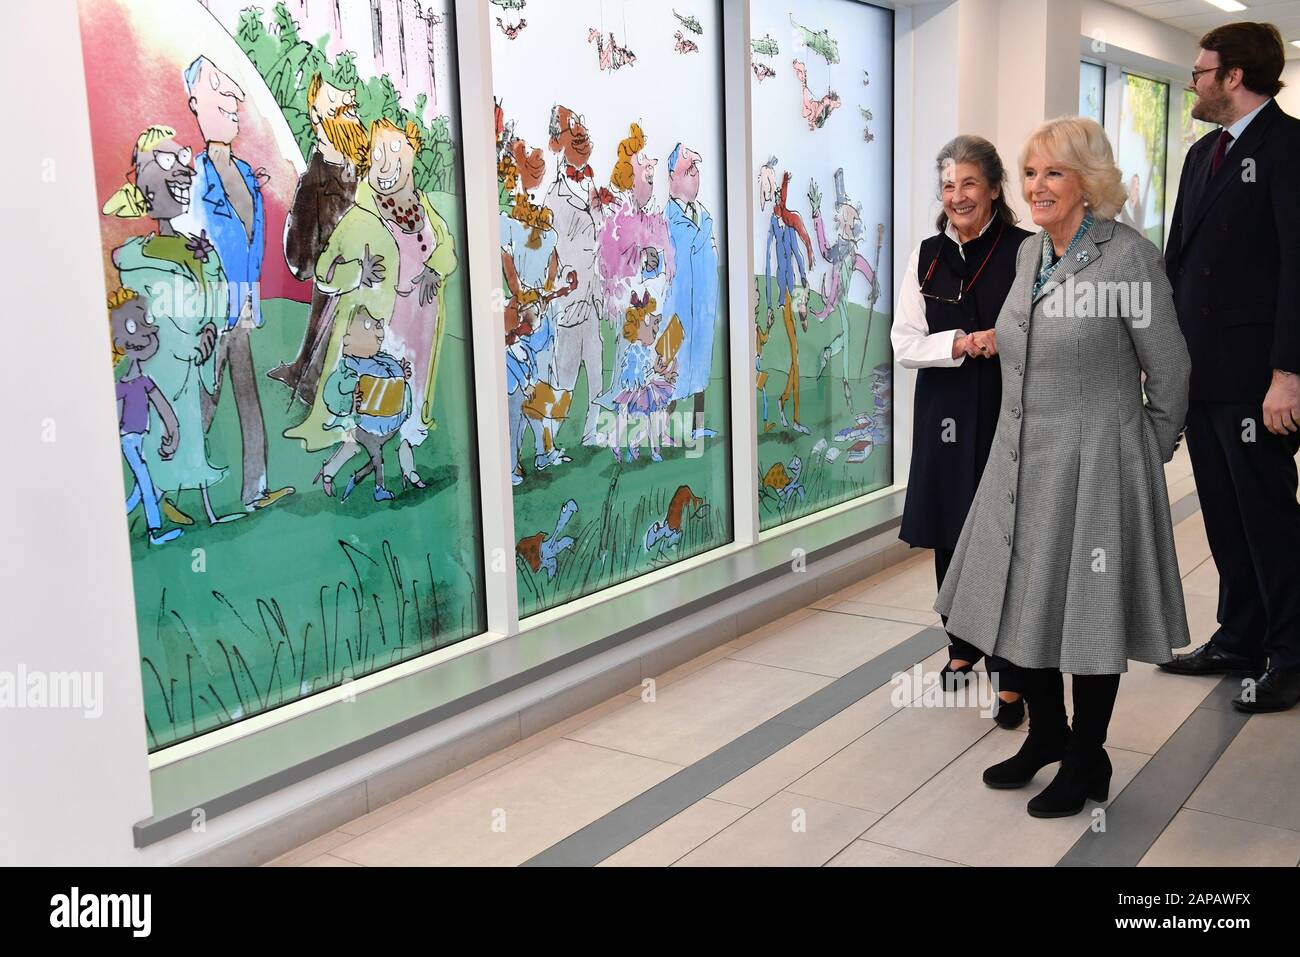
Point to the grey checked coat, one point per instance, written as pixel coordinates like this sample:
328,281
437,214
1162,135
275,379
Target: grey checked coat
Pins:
1067,556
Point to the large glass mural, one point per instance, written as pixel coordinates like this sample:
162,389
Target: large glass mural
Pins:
1092,91
282,237
613,247
1191,129
1143,135
823,144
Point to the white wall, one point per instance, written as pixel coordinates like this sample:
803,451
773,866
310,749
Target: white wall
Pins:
73,785
1289,98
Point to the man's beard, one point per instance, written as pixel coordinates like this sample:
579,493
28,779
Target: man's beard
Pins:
1212,108
348,136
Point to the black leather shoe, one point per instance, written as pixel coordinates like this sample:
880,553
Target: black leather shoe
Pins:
1019,769
1209,659
1275,690
1009,714
1078,781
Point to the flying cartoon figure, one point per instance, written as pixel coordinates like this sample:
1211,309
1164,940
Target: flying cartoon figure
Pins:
611,56
542,551
815,110
761,71
819,41
685,505
512,31
690,23
867,135
766,46
684,45
783,481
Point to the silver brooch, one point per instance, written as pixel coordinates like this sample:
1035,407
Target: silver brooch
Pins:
1081,255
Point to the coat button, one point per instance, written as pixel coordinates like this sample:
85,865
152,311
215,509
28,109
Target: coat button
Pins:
1014,455
1024,323
1015,411
1205,311
1006,539
1011,497
1205,270
1019,368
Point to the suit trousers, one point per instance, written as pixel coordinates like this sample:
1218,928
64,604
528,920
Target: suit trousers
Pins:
1246,480
1008,674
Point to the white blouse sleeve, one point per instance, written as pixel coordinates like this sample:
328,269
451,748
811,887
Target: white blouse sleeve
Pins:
914,346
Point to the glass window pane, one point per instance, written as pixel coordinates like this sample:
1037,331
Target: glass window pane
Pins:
613,236
823,144
1143,134
1092,91
290,343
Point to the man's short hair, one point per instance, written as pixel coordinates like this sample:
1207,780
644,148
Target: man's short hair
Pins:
1255,48
192,73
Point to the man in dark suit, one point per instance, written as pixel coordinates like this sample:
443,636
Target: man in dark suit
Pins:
1234,262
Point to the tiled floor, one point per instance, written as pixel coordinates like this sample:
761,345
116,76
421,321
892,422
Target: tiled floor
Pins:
888,781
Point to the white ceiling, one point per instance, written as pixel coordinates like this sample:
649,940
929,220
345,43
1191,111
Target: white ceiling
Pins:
1197,17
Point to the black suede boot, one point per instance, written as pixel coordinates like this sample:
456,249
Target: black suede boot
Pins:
1043,692
1085,770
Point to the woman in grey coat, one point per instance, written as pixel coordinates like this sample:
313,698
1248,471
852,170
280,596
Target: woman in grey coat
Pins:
1066,562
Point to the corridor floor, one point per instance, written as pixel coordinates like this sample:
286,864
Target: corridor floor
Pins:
749,755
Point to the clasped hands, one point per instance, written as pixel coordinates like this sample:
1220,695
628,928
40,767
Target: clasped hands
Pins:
978,345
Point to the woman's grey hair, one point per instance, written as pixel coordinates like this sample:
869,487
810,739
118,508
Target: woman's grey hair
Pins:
983,155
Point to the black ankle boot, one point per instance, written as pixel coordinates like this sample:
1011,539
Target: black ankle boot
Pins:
1082,778
1038,751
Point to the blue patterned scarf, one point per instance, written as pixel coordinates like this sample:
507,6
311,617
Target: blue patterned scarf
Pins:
1048,263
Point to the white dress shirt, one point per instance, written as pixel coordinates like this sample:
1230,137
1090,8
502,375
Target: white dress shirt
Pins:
1236,129
915,347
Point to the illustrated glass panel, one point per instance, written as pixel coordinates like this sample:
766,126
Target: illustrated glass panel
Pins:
822,91
1143,135
282,230
1092,91
613,250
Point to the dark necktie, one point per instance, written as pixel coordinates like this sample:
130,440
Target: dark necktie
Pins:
1220,149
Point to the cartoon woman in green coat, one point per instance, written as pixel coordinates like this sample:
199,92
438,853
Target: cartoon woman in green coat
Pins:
391,253
179,277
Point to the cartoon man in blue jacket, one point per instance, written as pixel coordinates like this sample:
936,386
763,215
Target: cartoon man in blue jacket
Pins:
227,205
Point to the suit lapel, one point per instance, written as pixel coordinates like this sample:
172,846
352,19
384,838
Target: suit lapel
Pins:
1084,255
1230,171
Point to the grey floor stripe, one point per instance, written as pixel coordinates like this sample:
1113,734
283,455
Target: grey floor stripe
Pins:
1184,507
620,827
1138,815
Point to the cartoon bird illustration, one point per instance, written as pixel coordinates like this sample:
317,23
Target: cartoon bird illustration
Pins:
684,45
819,41
783,480
766,46
761,71
690,23
542,551
684,505
510,4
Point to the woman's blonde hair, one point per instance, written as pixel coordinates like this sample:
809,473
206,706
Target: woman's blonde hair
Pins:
1080,144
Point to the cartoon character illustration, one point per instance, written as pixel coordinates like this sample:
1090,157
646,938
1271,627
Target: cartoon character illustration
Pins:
684,506
684,45
326,191
783,481
689,23
867,135
693,298
766,46
645,379
180,278
635,254
762,334
844,259
610,55
229,208
513,30
816,110
391,253
136,338
785,232
369,395
542,551
761,71
578,342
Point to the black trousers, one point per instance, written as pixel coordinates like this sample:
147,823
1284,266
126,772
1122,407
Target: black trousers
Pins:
1008,674
1094,702
1246,480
